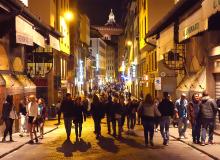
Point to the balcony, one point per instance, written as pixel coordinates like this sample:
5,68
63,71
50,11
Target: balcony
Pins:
175,58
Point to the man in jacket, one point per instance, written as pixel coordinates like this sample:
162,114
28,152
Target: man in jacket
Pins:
181,111
194,118
166,108
208,110
109,113
67,108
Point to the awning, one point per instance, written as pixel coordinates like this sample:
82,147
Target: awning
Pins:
193,83
2,82
29,86
13,86
54,43
26,34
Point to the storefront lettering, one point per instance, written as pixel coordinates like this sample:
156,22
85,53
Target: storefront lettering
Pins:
189,30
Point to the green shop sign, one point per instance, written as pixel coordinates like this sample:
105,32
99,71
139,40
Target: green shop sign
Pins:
191,29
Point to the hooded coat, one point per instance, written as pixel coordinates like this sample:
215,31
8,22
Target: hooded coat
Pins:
208,108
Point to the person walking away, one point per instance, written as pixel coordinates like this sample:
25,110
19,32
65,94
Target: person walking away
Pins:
8,115
58,105
117,119
79,117
109,113
32,113
67,108
157,117
85,103
181,111
41,116
147,111
194,118
139,116
131,116
208,110
124,111
166,108
97,115
23,118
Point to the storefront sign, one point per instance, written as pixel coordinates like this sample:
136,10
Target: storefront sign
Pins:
193,25
157,83
23,31
26,34
54,43
133,71
38,39
210,7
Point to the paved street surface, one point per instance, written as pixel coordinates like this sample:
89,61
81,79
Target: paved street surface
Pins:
107,148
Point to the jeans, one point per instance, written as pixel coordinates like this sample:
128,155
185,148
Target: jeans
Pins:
114,123
97,123
139,119
68,125
78,129
59,116
196,129
109,123
9,125
164,127
207,124
131,120
148,130
23,127
182,126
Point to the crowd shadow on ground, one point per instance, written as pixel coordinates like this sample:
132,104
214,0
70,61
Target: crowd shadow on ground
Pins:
68,148
108,144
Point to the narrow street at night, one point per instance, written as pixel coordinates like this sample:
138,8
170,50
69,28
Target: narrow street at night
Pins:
130,147
110,79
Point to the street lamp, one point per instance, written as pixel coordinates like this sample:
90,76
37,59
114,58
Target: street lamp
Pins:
129,43
69,16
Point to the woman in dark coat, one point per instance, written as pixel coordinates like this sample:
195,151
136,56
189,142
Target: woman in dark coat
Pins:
8,115
79,115
97,111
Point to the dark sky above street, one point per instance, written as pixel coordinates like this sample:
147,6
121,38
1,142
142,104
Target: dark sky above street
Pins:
98,10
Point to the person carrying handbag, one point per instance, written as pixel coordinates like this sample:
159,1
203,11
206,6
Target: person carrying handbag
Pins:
9,115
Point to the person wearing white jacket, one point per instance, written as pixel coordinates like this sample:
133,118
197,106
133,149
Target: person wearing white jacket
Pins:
32,112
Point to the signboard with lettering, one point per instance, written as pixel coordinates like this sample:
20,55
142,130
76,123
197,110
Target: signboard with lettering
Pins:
157,83
26,34
193,25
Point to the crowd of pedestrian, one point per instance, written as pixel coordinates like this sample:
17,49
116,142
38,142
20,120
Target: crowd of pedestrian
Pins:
118,107
32,114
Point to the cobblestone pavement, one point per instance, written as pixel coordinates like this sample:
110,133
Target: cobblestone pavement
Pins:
130,147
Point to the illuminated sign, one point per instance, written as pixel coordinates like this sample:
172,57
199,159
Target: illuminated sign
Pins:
97,62
133,71
80,72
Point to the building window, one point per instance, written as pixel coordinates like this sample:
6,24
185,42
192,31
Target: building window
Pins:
155,59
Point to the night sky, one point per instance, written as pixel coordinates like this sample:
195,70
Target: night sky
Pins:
98,10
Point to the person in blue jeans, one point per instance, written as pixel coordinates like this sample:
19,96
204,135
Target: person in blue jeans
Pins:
208,110
194,118
166,109
181,111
